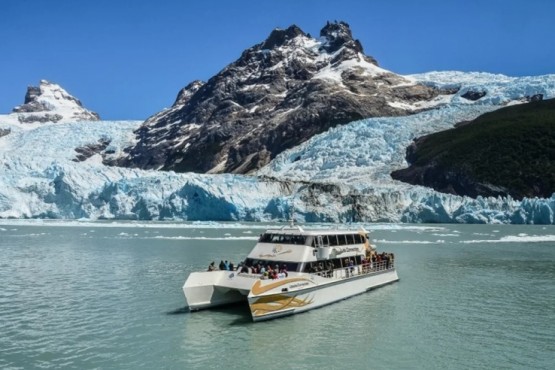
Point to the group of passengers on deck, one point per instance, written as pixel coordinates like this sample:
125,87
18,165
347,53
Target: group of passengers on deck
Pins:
267,272
373,261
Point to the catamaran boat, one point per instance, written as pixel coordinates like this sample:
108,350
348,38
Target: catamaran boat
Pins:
291,270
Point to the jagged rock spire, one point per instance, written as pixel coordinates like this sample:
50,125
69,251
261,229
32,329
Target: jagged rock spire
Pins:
278,36
185,93
338,35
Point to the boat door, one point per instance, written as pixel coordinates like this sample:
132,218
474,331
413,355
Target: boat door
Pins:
323,250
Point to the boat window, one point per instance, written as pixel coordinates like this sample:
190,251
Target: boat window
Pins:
339,239
312,240
350,239
318,266
282,239
342,239
333,240
250,262
358,239
325,240
276,238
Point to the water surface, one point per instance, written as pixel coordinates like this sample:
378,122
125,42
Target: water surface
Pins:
108,295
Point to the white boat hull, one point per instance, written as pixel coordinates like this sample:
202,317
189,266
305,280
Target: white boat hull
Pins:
269,299
292,270
280,302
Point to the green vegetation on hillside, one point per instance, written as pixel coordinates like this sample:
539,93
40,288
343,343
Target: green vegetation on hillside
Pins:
513,147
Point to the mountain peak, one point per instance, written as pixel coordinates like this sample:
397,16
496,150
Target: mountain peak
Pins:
338,34
185,93
49,102
279,36
276,95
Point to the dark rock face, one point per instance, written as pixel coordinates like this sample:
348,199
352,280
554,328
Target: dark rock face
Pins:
473,95
41,118
339,35
450,181
509,151
536,97
445,180
279,37
87,151
31,103
4,132
276,95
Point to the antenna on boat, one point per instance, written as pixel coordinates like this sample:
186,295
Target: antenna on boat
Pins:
292,219
291,215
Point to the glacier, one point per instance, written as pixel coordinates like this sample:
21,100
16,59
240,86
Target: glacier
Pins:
341,175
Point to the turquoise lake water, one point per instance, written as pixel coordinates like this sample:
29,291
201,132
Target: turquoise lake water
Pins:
108,295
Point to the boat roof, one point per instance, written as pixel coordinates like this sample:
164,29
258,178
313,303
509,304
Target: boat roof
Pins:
298,230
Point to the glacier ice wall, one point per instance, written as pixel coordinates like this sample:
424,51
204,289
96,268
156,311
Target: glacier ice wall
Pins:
341,175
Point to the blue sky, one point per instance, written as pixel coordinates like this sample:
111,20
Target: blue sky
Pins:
129,59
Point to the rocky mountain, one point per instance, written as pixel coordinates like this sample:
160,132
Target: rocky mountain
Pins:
510,151
278,94
49,102
341,175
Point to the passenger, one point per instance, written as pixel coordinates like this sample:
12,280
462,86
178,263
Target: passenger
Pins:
330,269
231,266
226,265
212,266
222,265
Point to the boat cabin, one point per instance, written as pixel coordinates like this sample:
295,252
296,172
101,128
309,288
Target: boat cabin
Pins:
310,251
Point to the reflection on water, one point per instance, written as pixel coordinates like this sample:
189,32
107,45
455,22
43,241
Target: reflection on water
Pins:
179,311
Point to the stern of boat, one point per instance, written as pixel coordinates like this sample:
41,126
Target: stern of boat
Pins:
211,289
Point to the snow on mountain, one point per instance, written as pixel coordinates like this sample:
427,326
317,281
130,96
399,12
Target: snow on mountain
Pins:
49,102
365,152
339,175
278,94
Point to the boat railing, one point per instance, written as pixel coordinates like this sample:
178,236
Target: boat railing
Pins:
362,269
341,272
251,275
